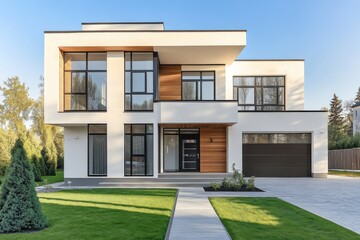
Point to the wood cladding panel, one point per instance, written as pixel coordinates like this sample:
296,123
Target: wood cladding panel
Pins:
212,153
61,82
170,82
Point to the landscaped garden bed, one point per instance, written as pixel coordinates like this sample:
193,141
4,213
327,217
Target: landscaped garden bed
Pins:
236,183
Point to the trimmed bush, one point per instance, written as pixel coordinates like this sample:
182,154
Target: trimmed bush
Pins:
20,207
346,143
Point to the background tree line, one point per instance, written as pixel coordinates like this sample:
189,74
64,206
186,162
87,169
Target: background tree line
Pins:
341,123
23,118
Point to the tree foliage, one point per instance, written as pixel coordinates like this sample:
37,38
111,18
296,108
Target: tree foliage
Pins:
357,98
20,207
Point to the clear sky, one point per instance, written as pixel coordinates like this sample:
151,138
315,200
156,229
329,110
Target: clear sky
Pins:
325,33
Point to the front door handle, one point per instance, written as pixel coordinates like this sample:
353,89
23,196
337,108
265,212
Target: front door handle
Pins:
198,156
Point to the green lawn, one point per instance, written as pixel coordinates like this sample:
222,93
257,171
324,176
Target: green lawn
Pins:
104,214
344,173
272,218
52,179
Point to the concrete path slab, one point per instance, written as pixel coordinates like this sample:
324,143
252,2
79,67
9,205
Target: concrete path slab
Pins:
195,218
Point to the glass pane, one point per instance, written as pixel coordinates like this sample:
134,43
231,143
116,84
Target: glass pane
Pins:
97,91
189,90
127,82
258,81
258,96
244,81
127,154
191,75
249,108
281,96
273,108
97,61
269,81
97,155
138,144
270,95
138,165
78,82
127,61
142,61
198,90
171,153
207,91
75,61
142,102
171,131
235,96
208,75
138,128
78,102
127,102
97,129
277,138
149,128
149,154
149,82
138,82
280,81
246,96
127,128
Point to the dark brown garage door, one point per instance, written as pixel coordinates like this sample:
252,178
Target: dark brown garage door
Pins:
274,159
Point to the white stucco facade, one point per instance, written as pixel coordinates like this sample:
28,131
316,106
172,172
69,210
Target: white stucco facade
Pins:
194,51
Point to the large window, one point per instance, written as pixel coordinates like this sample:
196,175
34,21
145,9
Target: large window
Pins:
139,147
198,85
139,81
260,93
85,81
97,150
276,138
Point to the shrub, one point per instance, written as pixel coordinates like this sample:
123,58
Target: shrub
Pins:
37,175
251,183
215,186
225,183
20,207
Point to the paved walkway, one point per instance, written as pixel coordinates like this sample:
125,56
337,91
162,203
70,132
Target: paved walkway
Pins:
195,218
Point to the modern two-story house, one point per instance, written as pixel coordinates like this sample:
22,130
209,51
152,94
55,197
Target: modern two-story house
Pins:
139,101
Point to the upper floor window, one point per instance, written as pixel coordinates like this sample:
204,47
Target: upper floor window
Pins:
139,81
260,93
198,85
85,81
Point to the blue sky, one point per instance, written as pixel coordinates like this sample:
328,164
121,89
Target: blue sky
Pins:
324,33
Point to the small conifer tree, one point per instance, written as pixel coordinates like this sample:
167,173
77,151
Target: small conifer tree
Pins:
19,206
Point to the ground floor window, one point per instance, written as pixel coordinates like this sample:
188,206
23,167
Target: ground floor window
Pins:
97,150
139,145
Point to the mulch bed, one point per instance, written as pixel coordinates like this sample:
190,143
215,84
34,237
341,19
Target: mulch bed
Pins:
221,189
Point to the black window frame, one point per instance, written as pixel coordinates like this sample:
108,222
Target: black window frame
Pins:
88,146
131,71
261,87
86,71
201,80
145,134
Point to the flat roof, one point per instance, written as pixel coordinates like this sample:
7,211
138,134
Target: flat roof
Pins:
84,23
99,31
295,59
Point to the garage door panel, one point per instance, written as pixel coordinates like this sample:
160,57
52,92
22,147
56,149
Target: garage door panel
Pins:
277,160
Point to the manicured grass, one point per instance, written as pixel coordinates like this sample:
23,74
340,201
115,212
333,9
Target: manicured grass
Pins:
104,214
59,177
344,173
272,218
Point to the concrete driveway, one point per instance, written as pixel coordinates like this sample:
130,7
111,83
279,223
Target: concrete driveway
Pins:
335,198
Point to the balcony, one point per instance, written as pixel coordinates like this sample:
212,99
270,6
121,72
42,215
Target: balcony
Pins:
223,111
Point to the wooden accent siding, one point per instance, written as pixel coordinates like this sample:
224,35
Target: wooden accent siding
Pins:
61,82
212,154
170,82
106,48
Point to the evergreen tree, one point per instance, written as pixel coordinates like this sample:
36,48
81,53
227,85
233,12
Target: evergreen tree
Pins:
20,207
357,98
36,172
336,120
